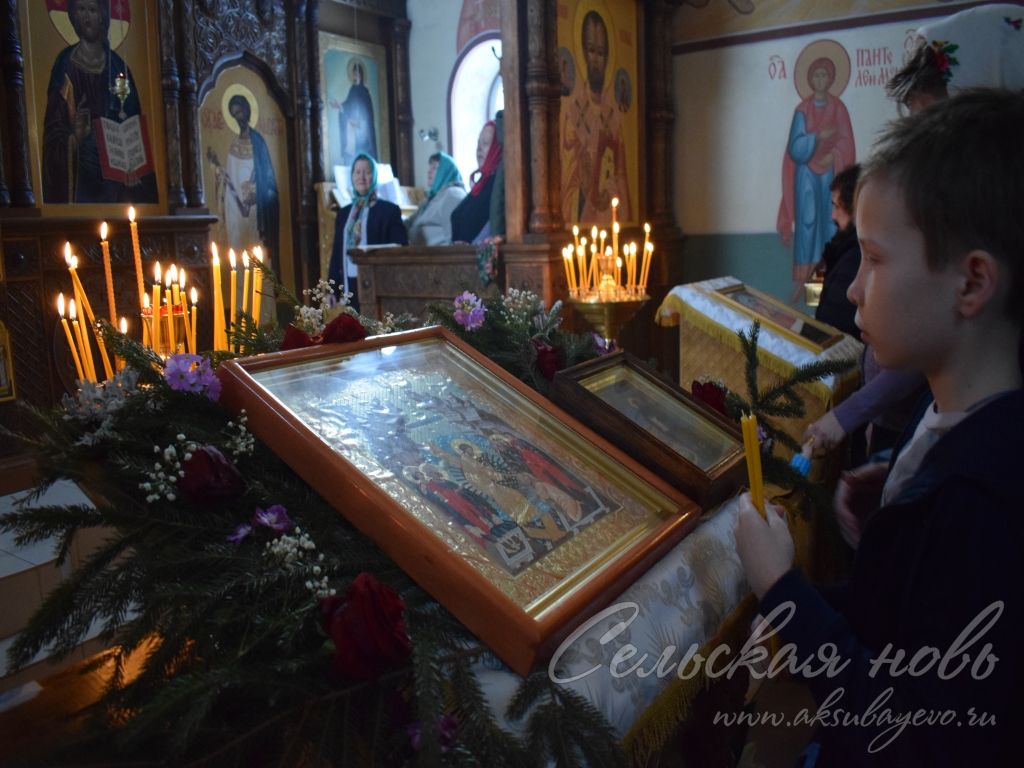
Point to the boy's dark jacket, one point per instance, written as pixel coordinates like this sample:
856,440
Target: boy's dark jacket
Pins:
950,546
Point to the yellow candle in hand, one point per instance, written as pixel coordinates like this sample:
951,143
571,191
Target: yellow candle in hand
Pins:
71,341
752,449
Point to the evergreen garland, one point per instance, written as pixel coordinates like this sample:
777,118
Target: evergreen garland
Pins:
781,400
218,652
517,333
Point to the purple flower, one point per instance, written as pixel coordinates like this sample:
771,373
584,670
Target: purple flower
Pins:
275,518
180,372
469,311
604,346
240,533
447,729
191,373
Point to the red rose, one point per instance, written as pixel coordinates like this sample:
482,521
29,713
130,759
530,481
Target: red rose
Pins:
367,628
343,328
295,338
549,358
710,393
209,477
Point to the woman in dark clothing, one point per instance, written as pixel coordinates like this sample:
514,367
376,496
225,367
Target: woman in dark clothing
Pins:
841,257
472,218
365,221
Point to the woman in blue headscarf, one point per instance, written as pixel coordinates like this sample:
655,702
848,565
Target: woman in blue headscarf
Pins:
365,221
432,222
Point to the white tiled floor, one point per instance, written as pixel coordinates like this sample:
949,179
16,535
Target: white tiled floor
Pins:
14,559
25,572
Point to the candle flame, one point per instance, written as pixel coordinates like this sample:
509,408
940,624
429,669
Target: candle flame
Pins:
103,231
156,271
593,232
181,278
71,310
194,295
245,259
618,262
575,230
145,301
216,254
131,213
258,253
231,257
615,202
647,228
67,252
124,325
60,304
616,228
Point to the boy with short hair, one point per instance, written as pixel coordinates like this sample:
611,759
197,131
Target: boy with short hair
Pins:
930,626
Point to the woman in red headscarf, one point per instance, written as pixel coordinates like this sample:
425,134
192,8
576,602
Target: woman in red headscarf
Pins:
471,219
820,145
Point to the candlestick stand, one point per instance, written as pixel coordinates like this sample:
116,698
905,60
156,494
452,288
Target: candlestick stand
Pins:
607,317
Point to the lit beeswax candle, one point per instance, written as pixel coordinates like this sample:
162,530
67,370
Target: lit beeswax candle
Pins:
108,274
71,341
136,252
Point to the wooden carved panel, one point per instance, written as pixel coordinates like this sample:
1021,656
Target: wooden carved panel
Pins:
237,28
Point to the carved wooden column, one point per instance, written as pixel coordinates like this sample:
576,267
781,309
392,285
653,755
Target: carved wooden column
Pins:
19,185
5,196
403,100
660,114
316,104
541,23
305,47
171,87
191,149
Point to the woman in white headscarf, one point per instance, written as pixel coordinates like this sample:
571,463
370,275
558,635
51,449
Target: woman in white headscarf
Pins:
979,47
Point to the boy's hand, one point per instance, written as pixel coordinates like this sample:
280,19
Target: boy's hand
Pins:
765,547
826,431
858,495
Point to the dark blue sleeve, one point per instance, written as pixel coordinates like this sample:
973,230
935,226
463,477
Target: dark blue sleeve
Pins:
396,231
965,564
334,269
